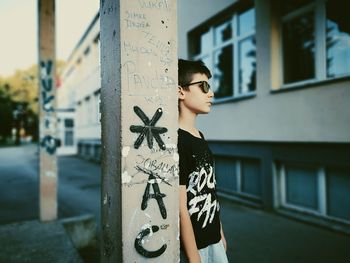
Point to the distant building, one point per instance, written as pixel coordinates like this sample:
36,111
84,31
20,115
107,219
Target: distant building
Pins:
280,123
80,90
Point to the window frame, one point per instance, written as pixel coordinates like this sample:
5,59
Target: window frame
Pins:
320,62
281,190
234,42
236,163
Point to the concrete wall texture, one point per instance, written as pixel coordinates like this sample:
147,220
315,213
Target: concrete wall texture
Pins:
149,130
47,114
139,131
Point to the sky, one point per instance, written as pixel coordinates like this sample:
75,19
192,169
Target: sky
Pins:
18,30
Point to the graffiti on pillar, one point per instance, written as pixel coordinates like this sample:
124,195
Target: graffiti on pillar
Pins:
147,231
149,76
162,5
48,142
153,179
46,83
47,106
148,130
140,84
162,47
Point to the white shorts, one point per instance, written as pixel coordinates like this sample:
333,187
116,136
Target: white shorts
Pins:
214,253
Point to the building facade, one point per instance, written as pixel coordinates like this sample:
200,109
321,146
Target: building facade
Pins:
280,122
80,91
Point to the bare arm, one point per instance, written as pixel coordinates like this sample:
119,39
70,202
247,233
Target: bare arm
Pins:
186,230
223,237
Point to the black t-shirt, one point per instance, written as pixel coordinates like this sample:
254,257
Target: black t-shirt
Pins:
197,173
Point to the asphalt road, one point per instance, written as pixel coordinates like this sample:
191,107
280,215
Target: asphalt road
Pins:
78,185
253,235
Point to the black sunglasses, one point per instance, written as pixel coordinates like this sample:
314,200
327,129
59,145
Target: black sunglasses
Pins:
202,84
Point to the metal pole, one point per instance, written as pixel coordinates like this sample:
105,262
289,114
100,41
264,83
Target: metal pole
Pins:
139,131
47,114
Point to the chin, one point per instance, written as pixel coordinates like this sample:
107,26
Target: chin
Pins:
205,111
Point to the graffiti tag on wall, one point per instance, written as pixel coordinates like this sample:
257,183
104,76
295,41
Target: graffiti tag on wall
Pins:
149,169
48,141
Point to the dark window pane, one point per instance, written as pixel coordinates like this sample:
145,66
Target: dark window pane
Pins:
97,38
246,21
223,73
338,193
68,123
338,38
301,186
68,138
225,173
251,179
223,32
298,49
201,42
247,65
288,6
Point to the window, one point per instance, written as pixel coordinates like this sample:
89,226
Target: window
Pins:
68,132
241,176
68,123
87,51
337,38
315,40
97,38
301,186
79,109
319,190
97,97
89,113
228,48
338,192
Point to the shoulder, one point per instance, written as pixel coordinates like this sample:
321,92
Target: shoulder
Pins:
201,134
182,137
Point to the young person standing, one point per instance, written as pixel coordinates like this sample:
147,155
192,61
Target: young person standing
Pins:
201,233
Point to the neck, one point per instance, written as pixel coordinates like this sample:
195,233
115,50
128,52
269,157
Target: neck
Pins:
187,121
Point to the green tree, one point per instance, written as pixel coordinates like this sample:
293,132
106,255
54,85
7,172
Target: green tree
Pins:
6,113
21,93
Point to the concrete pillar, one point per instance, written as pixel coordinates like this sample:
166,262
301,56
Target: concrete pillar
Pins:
139,131
47,102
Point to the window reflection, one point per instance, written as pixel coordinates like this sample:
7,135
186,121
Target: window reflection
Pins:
206,42
223,73
217,44
337,40
246,22
247,65
223,32
298,48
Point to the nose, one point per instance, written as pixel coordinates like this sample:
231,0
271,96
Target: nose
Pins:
210,93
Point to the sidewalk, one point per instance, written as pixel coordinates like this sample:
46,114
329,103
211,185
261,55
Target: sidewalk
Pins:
257,236
33,241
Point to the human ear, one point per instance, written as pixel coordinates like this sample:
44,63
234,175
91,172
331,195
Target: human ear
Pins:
181,93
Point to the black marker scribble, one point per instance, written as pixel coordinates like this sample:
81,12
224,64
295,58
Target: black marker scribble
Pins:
139,247
149,172
148,130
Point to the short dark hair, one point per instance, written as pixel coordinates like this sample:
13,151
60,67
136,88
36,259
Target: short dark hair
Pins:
186,68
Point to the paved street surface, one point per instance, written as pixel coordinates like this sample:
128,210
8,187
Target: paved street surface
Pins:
78,185
252,235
